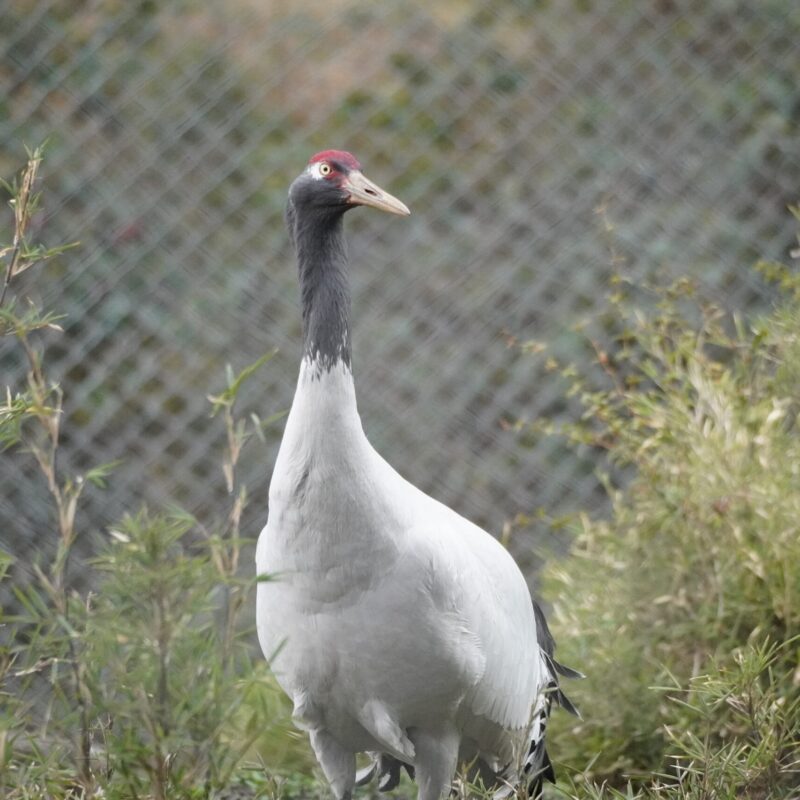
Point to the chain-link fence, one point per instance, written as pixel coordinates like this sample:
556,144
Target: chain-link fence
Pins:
176,128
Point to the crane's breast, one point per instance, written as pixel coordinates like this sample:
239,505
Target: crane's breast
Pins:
397,640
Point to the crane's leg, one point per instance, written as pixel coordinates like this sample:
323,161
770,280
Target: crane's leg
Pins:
338,764
435,760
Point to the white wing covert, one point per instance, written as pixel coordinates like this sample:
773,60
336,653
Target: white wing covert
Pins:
493,603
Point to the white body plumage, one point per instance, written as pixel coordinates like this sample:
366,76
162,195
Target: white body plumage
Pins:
391,618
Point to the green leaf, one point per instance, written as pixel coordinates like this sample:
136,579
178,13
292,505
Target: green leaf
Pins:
97,475
227,398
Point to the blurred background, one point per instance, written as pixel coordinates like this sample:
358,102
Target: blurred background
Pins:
542,146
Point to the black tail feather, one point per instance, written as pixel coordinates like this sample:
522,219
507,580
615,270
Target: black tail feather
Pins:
538,767
566,672
548,646
567,704
546,773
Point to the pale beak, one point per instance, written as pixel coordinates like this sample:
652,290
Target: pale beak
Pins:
363,192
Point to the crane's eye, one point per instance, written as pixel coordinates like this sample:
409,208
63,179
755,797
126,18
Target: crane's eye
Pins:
325,169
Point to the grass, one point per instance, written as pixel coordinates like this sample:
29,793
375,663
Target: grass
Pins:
144,685
683,604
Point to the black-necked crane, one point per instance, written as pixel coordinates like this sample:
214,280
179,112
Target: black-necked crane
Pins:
395,625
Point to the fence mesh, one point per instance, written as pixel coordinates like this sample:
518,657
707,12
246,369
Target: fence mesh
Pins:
517,131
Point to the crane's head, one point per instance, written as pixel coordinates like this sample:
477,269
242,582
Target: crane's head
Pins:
333,182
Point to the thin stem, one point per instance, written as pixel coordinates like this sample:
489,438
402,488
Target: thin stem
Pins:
23,205
59,575
229,557
164,637
10,269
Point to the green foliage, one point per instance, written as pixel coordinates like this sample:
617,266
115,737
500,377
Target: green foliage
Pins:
165,670
735,734
20,255
143,686
692,584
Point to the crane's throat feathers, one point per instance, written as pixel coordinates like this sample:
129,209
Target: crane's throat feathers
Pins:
319,362
324,288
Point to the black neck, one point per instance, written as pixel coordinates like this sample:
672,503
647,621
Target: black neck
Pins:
324,287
